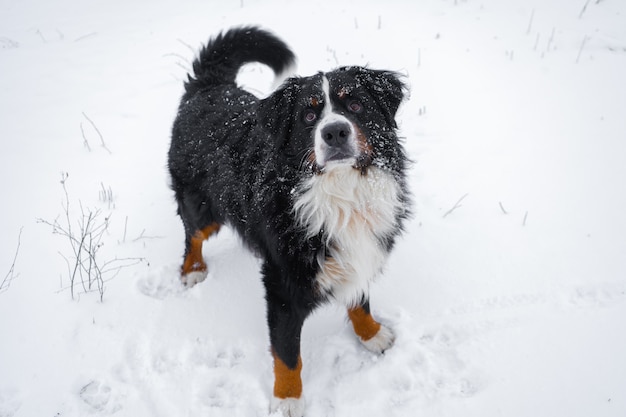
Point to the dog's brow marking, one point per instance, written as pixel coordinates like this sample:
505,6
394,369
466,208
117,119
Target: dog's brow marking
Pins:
326,90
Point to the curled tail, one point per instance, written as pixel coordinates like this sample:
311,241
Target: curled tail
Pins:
220,60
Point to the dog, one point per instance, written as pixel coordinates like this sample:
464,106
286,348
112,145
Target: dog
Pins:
312,177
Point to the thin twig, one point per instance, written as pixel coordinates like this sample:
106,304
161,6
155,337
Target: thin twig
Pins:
179,56
125,228
456,205
97,131
186,69
187,45
530,22
43,39
537,41
582,46
83,37
550,39
10,276
126,263
580,16
525,217
502,208
85,141
106,195
142,236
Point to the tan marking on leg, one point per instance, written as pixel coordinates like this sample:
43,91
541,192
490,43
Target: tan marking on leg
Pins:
364,324
193,260
287,381
210,230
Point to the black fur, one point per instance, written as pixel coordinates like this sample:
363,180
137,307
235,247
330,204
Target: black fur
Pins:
237,160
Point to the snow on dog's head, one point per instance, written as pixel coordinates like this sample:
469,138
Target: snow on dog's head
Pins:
346,116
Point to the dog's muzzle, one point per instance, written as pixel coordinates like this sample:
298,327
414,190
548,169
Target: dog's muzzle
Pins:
338,142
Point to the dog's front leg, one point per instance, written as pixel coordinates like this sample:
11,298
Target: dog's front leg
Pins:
373,335
285,321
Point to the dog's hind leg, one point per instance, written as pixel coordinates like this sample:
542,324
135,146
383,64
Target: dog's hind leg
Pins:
194,268
373,335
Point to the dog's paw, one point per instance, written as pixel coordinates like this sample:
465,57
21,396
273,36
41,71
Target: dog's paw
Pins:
381,342
193,277
287,407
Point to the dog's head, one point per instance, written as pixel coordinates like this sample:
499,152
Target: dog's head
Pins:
346,116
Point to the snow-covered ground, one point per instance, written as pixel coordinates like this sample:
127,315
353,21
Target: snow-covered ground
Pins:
510,303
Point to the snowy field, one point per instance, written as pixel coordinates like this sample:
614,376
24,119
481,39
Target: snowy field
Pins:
507,294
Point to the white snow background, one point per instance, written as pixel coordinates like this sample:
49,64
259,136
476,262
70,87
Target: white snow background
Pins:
510,303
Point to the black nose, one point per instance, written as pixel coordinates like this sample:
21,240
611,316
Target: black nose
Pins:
336,133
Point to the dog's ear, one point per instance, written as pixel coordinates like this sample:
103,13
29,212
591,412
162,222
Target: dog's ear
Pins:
276,113
386,88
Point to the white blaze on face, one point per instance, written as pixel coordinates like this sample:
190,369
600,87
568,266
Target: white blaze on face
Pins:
327,118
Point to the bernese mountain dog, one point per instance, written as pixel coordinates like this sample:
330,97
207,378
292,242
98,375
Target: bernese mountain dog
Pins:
313,179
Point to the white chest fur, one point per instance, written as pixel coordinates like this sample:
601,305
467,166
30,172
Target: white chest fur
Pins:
354,212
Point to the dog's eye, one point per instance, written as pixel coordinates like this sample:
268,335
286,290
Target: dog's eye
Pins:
310,116
355,106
